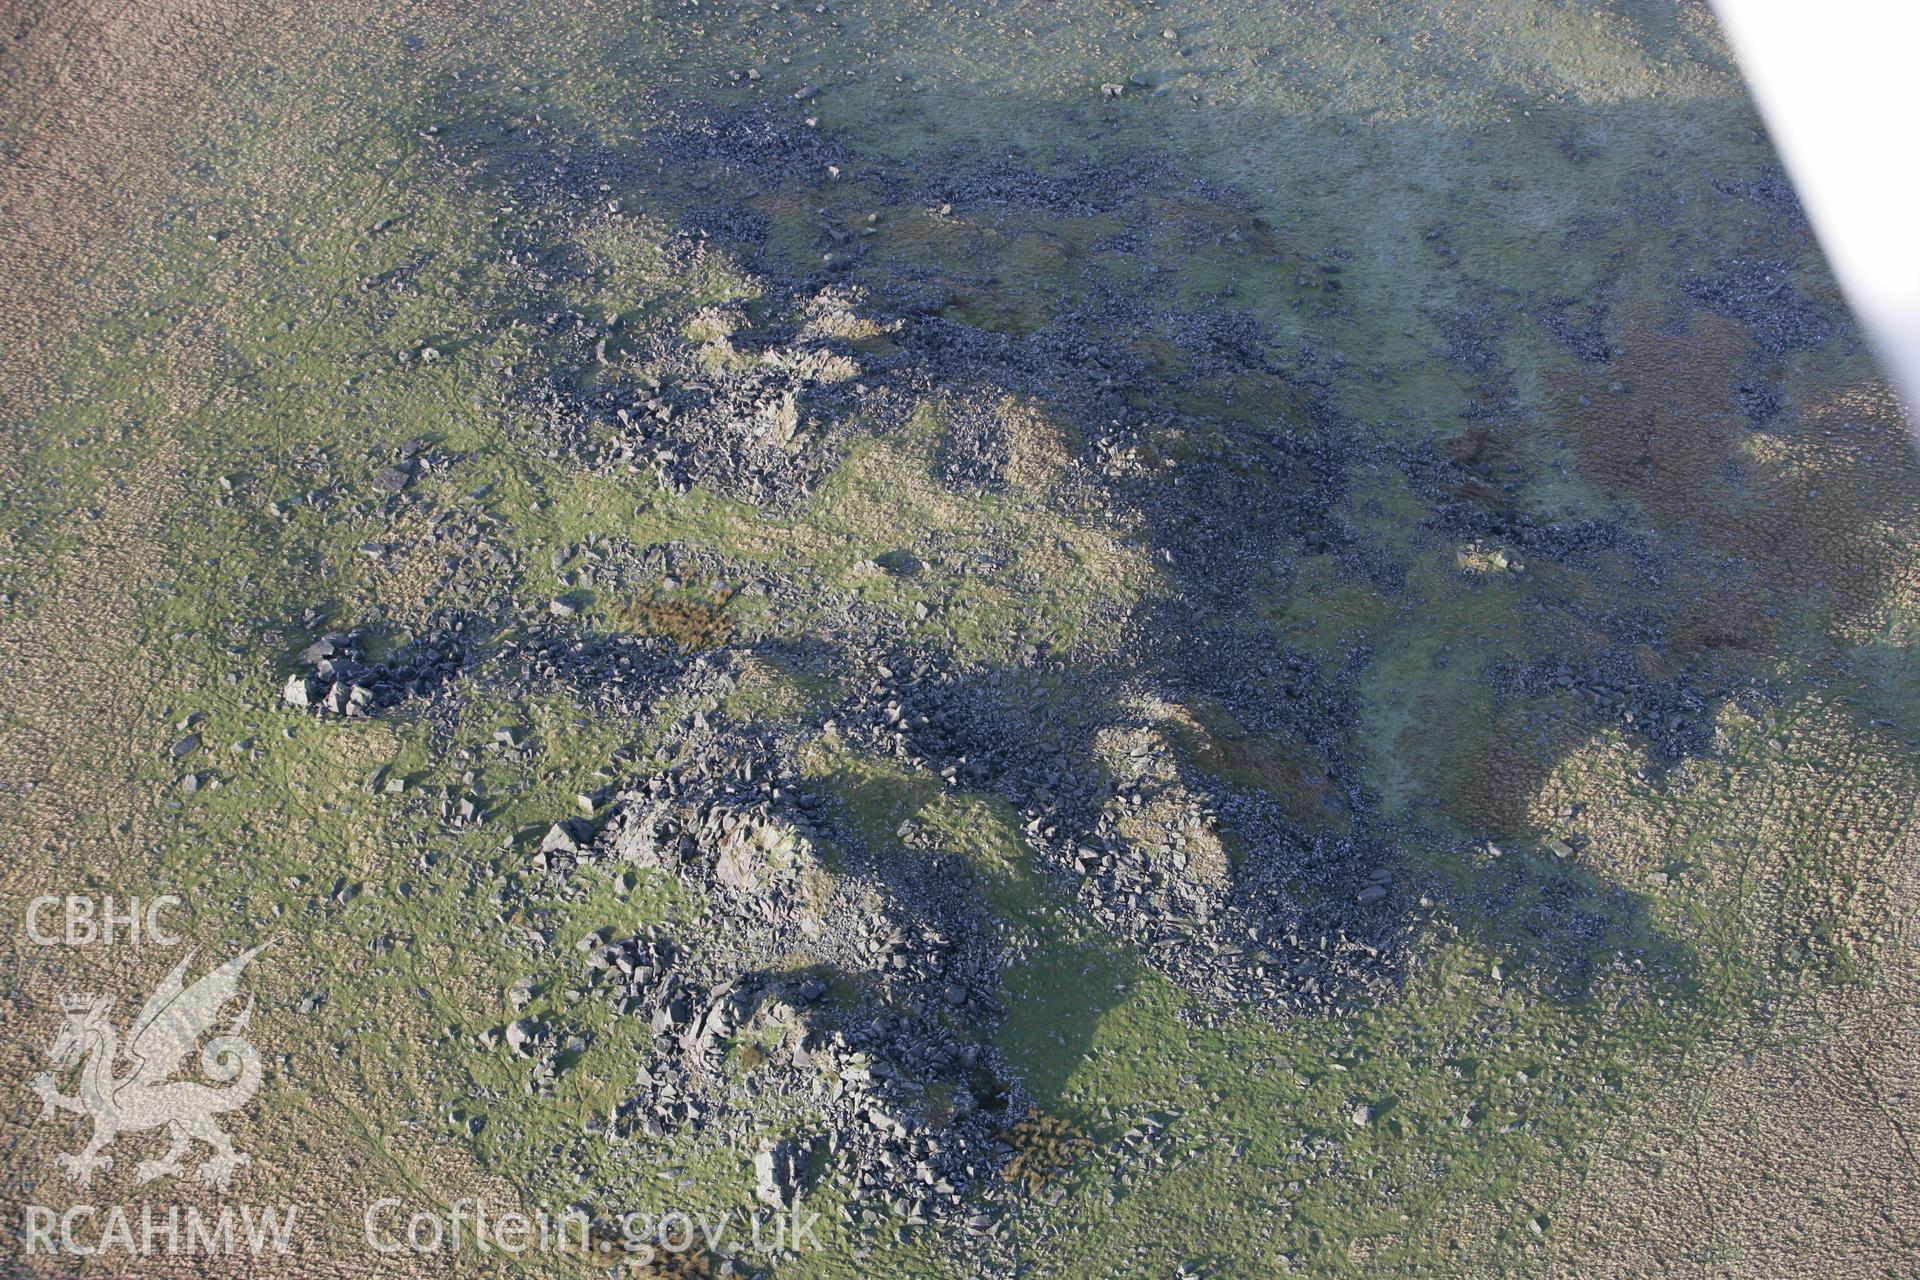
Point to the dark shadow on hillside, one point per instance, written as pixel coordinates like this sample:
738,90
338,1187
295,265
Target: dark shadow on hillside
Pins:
1067,283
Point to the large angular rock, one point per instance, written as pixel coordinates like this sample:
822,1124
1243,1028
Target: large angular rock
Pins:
300,691
777,1171
569,835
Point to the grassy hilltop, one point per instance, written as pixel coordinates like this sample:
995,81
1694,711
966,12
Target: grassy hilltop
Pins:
1090,639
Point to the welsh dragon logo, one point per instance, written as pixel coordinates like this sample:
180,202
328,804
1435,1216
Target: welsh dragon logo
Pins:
145,1096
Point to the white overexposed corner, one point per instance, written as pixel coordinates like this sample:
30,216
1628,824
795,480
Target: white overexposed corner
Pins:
1838,83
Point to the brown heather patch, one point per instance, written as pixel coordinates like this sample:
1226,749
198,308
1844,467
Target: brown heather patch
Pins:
1820,504
924,233
1485,453
1231,225
689,622
1012,265
1663,440
1162,358
1010,311
1044,1146
1480,446
1290,772
1258,399
1490,776
691,1263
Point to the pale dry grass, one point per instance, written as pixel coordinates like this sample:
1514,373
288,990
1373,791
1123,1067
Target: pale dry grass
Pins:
99,101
